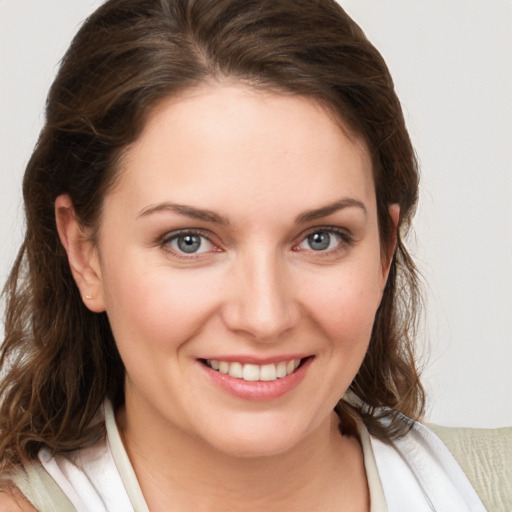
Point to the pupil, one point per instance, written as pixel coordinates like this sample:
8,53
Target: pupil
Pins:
189,243
319,241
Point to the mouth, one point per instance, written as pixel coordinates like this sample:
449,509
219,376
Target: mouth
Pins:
254,372
245,379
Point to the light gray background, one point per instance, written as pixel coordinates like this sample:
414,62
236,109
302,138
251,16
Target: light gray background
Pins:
451,61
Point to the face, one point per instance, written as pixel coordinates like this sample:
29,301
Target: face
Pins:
240,267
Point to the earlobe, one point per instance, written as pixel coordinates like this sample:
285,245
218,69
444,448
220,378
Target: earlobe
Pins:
82,254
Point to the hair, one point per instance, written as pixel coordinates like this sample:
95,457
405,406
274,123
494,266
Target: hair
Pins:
59,360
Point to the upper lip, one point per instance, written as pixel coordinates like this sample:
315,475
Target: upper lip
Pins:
248,359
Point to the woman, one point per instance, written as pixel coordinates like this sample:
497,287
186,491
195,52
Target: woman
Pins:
213,264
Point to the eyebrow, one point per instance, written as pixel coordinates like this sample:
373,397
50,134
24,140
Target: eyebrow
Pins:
325,211
187,211
210,216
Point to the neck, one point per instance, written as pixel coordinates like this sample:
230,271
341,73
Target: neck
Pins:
173,467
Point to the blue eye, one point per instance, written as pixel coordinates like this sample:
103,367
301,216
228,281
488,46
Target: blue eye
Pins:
189,243
323,240
319,241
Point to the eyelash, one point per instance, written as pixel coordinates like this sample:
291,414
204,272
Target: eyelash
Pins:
345,240
175,235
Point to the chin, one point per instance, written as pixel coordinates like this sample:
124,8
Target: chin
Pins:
248,448
258,438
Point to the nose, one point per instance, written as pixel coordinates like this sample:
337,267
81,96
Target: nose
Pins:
261,301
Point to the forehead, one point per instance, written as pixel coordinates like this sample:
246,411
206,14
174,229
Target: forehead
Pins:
220,140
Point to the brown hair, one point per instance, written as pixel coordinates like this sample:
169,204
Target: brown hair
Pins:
58,359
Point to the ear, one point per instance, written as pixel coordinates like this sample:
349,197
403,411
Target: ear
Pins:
82,254
394,213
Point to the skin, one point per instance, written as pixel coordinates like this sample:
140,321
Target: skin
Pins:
12,500
260,163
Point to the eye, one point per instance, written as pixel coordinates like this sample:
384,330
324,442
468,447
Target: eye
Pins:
324,240
188,243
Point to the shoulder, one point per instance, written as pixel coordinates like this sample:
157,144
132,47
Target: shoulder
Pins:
12,500
485,456
478,445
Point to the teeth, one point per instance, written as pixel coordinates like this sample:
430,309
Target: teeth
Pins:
254,372
236,370
281,370
268,372
251,372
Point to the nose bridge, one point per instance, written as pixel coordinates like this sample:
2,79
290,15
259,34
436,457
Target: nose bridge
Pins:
262,304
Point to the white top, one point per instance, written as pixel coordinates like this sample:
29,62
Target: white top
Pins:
414,473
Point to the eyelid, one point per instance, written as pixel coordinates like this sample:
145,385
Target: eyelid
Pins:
345,235
165,240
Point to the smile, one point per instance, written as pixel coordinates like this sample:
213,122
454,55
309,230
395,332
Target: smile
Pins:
245,379
254,372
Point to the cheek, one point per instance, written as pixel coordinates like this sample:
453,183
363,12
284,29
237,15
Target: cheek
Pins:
344,304
345,314
156,304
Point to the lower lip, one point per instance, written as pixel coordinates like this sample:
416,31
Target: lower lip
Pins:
258,390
